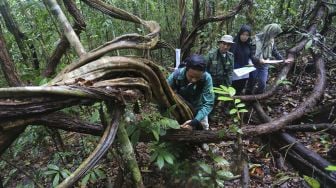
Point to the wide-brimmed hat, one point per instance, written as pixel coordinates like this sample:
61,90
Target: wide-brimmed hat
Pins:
227,39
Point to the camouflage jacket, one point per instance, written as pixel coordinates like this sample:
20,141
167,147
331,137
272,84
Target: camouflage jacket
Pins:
220,67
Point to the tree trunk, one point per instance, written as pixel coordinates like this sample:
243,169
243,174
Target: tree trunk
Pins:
7,65
126,149
64,45
19,36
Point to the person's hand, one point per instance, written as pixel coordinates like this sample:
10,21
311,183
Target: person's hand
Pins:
289,60
186,125
261,61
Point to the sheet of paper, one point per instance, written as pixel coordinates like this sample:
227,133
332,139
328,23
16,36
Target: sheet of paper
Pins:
177,57
242,73
273,61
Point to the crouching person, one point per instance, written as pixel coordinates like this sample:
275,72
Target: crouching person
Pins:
194,85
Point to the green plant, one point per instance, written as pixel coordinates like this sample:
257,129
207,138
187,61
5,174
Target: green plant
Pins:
331,168
56,173
153,124
312,182
163,153
157,125
226,94
93,176
12,173
284,82
32,136
237,107
213,175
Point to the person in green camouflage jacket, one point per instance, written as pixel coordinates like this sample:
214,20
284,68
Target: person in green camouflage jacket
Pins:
220,62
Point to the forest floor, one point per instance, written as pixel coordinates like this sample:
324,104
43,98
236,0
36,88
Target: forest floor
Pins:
26,161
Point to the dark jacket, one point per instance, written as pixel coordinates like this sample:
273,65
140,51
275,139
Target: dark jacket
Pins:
242,51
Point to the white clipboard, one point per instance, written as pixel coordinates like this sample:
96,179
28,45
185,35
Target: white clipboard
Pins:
242,73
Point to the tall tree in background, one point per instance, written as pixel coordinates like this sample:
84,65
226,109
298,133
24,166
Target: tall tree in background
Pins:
20,38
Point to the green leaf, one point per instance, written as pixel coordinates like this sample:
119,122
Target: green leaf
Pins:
135,137
64,174
331,168
130,129
153,156
222,98
224,88
156,135
67,171
160,162
309,44
44,81
206,168
162,132
220,92
221,133
224,173
221,161
85,179
233,111
173,124
237,101
311,181
240,105
50,172
220,183
169,158
242,110
101,174
53,167
93,177
56,180
231,91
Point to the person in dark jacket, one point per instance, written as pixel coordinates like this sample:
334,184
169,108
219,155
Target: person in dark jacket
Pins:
265,51
243,55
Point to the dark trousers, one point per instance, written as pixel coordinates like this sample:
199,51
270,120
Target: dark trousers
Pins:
258,77
239,85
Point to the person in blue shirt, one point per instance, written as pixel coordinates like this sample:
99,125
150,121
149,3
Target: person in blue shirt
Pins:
194,85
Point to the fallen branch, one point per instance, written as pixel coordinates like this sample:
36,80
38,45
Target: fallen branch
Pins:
102,147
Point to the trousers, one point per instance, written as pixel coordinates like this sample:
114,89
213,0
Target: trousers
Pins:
258,77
